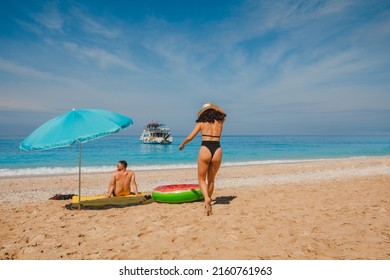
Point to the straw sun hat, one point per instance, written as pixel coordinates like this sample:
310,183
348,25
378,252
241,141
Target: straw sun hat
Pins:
207,106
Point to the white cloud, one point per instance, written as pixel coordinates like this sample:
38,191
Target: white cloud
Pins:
93,26
14,68
20,70
50,18
100,56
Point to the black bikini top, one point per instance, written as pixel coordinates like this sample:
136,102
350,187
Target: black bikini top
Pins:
211,136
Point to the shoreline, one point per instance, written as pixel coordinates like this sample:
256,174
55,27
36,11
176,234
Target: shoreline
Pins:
169,167
40,188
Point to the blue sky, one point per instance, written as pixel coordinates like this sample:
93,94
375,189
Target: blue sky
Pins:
276,67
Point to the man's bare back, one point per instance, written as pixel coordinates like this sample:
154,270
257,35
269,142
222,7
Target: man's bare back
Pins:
122,181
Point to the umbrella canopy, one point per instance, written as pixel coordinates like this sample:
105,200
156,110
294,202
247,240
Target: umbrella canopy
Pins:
75,126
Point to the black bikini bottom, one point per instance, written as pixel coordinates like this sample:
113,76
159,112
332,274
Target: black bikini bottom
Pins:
212,146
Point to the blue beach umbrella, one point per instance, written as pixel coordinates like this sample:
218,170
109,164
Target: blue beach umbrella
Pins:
76,126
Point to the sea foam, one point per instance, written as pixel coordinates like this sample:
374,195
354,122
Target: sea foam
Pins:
49,171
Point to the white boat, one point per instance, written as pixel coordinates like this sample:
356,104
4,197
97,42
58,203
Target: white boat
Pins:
156,133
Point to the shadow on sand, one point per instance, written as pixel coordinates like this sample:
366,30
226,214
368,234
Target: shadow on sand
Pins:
70,206
224,199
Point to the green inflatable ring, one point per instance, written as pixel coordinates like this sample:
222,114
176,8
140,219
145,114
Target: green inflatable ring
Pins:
179,193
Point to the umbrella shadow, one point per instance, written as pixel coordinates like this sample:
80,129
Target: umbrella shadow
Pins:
109,206
224,199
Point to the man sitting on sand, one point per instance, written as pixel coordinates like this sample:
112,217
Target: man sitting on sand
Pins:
122,180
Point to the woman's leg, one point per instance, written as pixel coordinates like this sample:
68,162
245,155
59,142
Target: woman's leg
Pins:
213,170
204,158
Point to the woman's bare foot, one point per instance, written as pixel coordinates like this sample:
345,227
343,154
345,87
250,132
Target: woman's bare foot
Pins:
210,212
207,207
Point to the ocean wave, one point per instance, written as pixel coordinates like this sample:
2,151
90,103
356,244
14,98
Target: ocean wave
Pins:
41,171
20,172
274,161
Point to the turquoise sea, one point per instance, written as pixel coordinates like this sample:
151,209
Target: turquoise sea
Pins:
102,154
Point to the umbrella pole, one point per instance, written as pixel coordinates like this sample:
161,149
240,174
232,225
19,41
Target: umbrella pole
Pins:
79,176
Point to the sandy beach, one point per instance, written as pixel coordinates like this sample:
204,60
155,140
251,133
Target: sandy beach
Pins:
333,209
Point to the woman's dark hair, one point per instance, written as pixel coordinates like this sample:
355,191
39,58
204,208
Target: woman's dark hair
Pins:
210,116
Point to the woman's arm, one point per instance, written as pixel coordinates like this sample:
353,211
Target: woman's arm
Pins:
190,136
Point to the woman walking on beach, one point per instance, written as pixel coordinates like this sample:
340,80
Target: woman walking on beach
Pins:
210,122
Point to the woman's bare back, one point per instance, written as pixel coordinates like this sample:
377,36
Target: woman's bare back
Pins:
211,130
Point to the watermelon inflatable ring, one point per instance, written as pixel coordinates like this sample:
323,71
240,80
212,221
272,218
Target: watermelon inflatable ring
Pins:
179,193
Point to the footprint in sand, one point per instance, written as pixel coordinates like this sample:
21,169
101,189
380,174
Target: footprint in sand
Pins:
144,234
315,230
